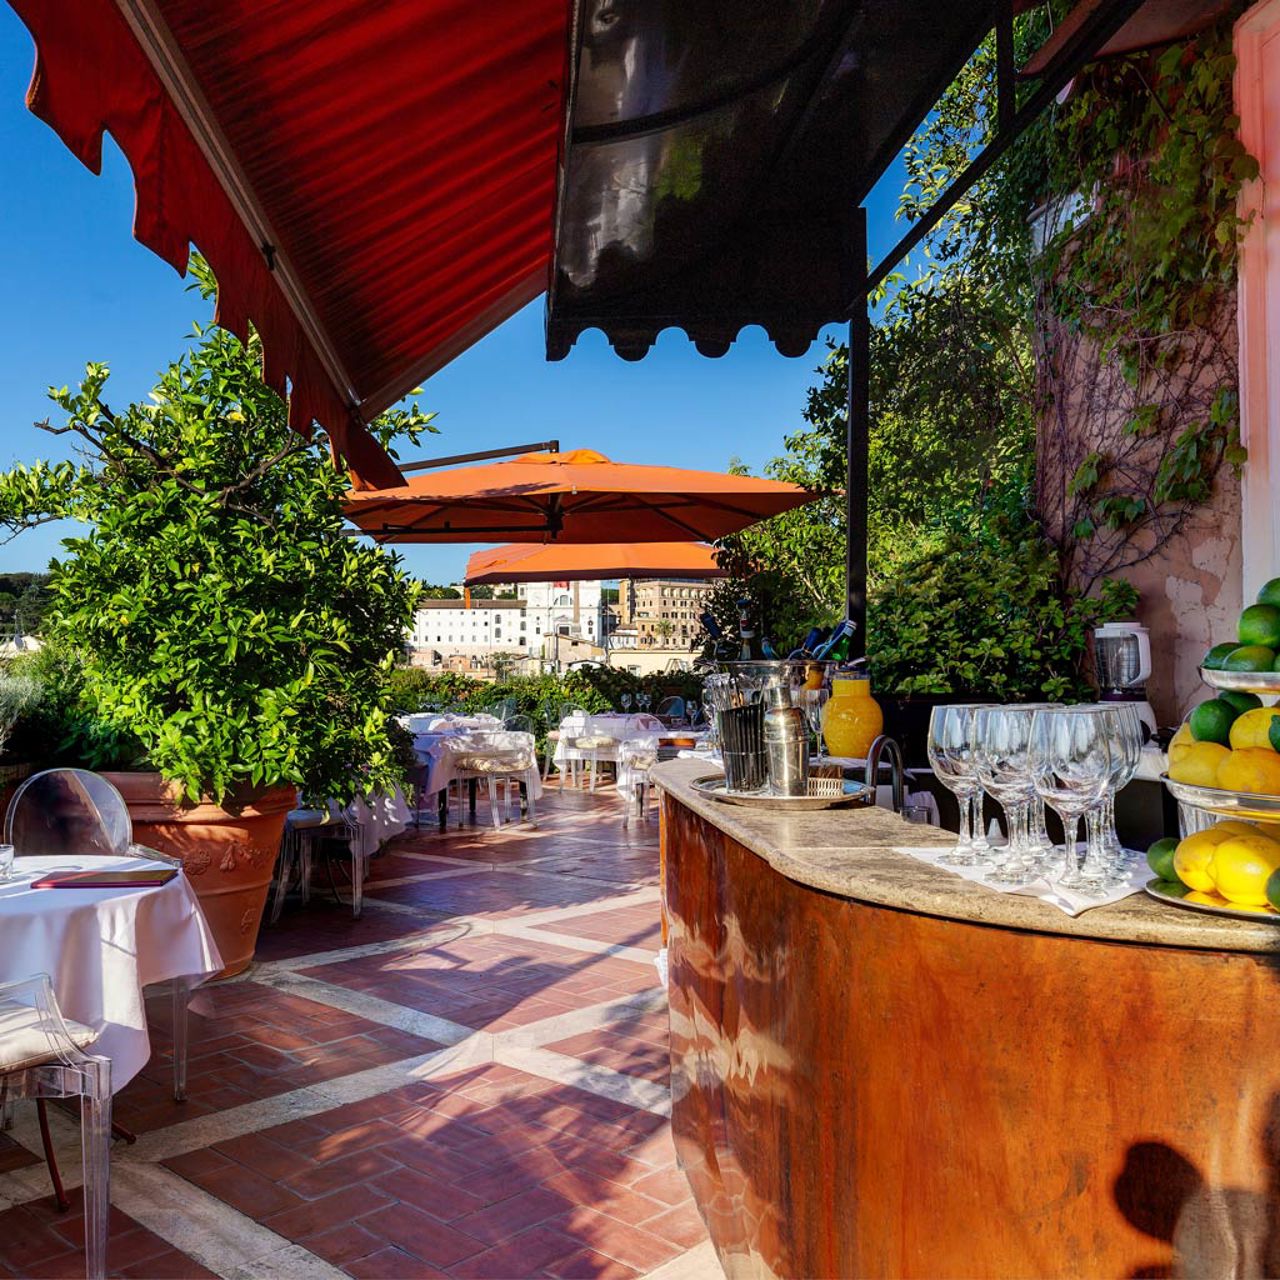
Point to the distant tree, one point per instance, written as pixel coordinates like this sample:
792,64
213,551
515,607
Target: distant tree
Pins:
429,591
609,595
482,593
665,629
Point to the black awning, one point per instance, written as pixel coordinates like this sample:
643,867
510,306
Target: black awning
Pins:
715,154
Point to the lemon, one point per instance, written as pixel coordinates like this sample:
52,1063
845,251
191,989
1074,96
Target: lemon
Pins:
1251,770
1209,899
1180,741
1253,729
1233,826
1197,763
1242,865
1194,853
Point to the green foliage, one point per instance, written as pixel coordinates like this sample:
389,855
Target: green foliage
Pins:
983,612
215,622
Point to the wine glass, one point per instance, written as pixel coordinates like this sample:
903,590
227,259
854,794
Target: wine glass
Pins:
625,700
643,701
951,750
1126,755
814,702
1002,755
1071,769
691,708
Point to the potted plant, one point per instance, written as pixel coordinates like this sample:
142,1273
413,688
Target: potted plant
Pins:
220,641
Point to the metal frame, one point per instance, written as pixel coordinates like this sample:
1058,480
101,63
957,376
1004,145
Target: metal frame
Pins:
1081,48
541,446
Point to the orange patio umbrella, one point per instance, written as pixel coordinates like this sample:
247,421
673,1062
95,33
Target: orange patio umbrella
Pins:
575,497
530,562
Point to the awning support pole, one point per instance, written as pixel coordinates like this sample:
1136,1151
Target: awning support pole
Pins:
857,439
454,459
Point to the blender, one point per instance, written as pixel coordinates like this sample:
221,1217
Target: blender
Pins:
1122,660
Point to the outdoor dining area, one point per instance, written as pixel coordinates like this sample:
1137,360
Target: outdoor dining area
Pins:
973,979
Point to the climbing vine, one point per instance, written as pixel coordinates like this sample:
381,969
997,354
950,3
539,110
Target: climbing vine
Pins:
1136,304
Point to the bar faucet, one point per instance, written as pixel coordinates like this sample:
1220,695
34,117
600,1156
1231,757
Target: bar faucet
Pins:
897,769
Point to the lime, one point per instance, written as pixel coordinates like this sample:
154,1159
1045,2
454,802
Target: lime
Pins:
1217,657
1273,884
1250,657
1241,701
1211,721
1260,624
1270,594
1160,858
1273,734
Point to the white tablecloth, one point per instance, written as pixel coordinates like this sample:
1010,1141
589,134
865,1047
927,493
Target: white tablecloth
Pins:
607,724
434,722
439,749
102,946
378,818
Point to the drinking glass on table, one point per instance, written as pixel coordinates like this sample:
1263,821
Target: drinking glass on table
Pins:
1002,754
6,862
1126,754
814,702
625,700
644,701
691,710
951,750
1071,768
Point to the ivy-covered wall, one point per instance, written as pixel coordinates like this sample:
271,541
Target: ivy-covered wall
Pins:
1189,583
1138,432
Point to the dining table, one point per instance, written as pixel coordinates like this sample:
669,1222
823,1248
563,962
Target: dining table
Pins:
439,741
101,947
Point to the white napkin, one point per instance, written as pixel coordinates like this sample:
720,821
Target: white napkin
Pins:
1068,900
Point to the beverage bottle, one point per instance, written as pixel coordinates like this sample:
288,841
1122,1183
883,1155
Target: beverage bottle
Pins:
749,649
766,648
839,646
809,645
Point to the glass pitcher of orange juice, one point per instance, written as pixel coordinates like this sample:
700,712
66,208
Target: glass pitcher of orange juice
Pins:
853,717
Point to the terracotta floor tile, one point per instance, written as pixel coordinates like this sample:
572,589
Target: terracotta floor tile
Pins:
422,1235
587,1264
392,1264
508,1217
526,1254
343,1243
683,1225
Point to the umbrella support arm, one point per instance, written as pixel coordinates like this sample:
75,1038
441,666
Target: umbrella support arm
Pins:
454,459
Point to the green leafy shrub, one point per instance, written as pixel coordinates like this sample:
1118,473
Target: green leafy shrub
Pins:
215,623
983,612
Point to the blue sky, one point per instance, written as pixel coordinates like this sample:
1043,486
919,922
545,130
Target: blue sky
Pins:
77,287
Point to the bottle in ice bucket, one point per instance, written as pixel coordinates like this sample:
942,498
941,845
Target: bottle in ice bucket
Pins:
853,718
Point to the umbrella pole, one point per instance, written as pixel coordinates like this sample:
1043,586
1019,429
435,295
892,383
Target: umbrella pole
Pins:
857,435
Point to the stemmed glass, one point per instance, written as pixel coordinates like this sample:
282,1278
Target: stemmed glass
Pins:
1125,727
691,708
1002,754
625,700
814,702
951,750
643,701
1071,768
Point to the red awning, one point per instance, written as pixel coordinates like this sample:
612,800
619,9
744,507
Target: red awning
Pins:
373,184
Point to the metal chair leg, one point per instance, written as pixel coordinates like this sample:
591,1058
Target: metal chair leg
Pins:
181,999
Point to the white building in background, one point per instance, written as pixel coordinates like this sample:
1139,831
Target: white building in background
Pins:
475,629
548,621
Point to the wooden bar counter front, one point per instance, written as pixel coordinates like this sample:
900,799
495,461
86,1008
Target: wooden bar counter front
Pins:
879,1069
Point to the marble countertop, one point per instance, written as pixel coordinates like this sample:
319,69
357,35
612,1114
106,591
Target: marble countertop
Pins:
851,852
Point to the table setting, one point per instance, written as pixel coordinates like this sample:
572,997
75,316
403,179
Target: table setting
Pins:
102,945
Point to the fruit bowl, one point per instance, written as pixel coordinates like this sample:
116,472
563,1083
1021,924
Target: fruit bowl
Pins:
1179,895
1233,804
1259,682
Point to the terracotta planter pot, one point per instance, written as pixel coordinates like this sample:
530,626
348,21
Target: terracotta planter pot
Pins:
227,856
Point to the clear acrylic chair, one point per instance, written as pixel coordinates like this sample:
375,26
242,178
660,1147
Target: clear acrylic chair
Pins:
73,813
303,830
636,757
495,756
42,1056
573,721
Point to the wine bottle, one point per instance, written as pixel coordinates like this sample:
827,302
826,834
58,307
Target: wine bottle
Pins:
749,649
809,645
841,643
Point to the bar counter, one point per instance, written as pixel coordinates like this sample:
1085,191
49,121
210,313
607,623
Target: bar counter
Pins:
880,1069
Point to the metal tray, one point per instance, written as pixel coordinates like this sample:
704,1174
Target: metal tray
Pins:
1179,895
712,786
1259,682
1232,804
